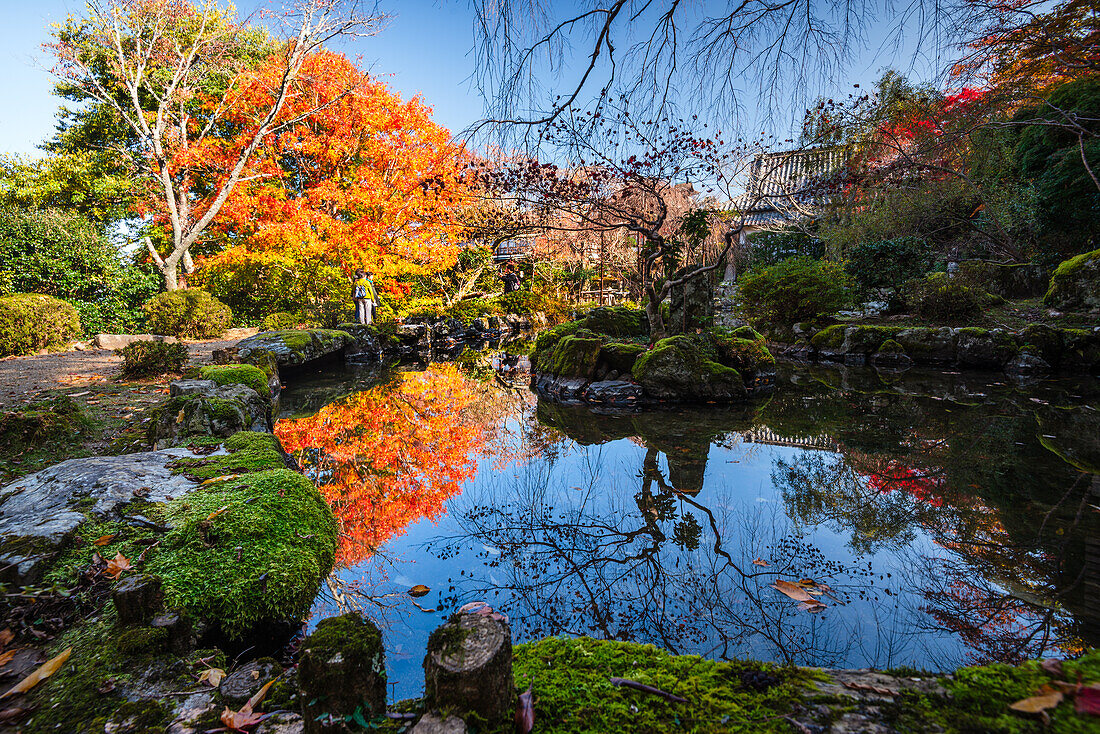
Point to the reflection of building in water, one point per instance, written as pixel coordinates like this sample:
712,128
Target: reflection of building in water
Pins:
763,434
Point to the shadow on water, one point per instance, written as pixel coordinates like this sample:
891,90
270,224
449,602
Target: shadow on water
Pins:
926,519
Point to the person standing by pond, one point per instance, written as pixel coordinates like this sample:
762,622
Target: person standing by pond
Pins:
511,279
365,296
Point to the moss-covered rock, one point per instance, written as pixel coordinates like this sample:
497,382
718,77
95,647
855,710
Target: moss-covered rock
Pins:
742,349
237,374
984,348
293,347
1075,284
686,368
572,356
31,321
928,345
1046,340
620,356
617,321
219,412
1080,350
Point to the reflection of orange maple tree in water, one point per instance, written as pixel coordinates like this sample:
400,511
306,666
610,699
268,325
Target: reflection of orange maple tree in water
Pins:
388,456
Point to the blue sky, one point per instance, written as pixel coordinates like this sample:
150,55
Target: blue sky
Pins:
425,50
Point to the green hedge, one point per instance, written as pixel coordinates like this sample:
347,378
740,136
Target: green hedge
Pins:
31,321
189,314
148,357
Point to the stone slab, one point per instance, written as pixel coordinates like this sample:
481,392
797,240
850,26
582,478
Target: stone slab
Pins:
43,509
118,341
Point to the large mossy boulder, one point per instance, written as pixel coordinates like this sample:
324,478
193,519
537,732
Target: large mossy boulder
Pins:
1075,284
985,348
30,322
686,368
620,356
237,540
204,408
293,347
572,356
617,321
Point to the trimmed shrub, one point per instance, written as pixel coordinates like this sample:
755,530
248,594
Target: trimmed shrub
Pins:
149,357
944,300
188,314
796,289
473,309
31,321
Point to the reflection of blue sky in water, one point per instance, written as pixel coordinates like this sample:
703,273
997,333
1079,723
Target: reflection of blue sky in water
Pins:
491,546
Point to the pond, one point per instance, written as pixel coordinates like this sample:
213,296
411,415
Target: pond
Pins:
852,519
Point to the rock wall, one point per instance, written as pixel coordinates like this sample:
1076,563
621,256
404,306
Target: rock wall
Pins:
426,339
1035,350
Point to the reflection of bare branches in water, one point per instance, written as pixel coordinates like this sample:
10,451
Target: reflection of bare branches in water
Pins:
660,566
1002,595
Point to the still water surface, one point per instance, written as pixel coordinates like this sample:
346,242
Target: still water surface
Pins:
933,519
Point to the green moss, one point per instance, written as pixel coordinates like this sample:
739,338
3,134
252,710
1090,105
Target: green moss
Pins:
741,353
572,356
42,421
547,340
137,641
891,347
1070,277
620,356
246,550
346,633
246,452
239,374
831,337
573,693
92,685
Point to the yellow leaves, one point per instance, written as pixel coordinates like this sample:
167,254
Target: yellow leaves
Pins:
418,591
760,562
43,672
212,676
117,566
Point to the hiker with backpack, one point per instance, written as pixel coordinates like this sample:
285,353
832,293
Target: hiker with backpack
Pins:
365,296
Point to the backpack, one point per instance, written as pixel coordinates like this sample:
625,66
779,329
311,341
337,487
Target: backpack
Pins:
360,291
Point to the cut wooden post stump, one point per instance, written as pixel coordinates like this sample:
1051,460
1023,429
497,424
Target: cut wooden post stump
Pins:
342,668
138,599
468,668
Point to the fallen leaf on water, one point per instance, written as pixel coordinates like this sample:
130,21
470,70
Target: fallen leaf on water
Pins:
213,676
811,607
1038,704
794,591
103,539
525,712
1088,700
418,591
760,562
118,565
43,672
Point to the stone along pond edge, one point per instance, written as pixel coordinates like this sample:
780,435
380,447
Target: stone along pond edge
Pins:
222,537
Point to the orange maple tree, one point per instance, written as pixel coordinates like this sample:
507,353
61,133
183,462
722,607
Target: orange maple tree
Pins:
367,180
386,457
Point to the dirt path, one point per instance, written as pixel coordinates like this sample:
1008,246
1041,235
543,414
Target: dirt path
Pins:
21,378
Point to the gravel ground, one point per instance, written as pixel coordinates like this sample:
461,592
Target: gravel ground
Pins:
21,378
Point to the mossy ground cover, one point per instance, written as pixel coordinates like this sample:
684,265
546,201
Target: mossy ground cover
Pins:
570,681
106,411
1012,315
242,374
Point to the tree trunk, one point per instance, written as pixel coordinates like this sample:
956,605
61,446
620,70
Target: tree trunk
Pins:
656,323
